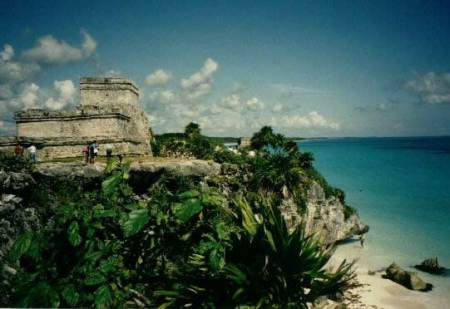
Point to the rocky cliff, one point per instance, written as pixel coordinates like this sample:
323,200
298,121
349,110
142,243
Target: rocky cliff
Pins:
323,216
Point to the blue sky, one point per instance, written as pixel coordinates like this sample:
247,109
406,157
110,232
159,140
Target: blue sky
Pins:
316,68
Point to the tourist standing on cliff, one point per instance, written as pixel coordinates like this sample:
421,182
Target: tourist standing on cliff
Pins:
18,150
32,151
93,151
85,152
109,149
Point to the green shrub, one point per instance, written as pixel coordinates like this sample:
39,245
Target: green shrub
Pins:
184,245
12,163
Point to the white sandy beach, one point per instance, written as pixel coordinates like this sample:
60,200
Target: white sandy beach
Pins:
377,292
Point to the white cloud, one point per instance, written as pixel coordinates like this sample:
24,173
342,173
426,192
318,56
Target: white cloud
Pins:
293,89
164,96
232,102
27,98
14,71
5,91
199,84
254,104
312,120
278,108
432,88
65,91
158,78
49,50
7,53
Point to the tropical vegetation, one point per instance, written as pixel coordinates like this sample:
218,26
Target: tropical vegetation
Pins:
184,243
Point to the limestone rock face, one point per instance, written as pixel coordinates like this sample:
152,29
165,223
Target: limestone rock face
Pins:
15,219
142,174
14,181
408,279
325,217
431,265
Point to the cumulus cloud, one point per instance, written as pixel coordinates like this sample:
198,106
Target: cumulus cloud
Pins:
12,71
232,102
278,108
158,78
65,95
432,88
49,50
199,84
254,104
27,97
5,91
164,96
312,120
293,89
7,53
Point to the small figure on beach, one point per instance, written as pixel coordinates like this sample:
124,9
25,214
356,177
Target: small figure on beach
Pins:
361,241
32,152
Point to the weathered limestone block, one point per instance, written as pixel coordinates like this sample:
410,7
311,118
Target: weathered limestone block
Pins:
325,217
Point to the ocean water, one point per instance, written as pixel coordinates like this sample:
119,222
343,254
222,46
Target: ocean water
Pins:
401,189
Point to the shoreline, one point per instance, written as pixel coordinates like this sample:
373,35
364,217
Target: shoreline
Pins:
377,292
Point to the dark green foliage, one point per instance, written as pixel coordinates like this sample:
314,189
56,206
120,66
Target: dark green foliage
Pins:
12,163
349,211
265,266
266,138
192,130
190,143
183,245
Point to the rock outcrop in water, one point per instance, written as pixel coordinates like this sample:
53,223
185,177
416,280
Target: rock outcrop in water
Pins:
408,279
431,266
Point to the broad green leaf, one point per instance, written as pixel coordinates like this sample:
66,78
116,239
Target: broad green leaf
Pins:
221,230
248,218
70,295
189,194
74,234
235,274
137,219
188,209
110,184
21,246
104,213
103,297
109,264
94,278
269,238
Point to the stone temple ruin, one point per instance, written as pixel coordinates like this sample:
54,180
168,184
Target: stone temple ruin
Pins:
109,112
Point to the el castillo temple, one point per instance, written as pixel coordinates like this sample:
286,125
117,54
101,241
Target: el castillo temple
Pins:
109,112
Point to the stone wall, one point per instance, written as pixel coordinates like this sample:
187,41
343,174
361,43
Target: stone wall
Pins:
82,126
49,152
108,92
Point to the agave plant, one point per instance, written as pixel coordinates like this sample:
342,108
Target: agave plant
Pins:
265,265
270,265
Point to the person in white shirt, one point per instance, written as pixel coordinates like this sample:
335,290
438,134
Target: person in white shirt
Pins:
32,151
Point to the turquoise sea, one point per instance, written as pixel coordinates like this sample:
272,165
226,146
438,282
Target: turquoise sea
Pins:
401,188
